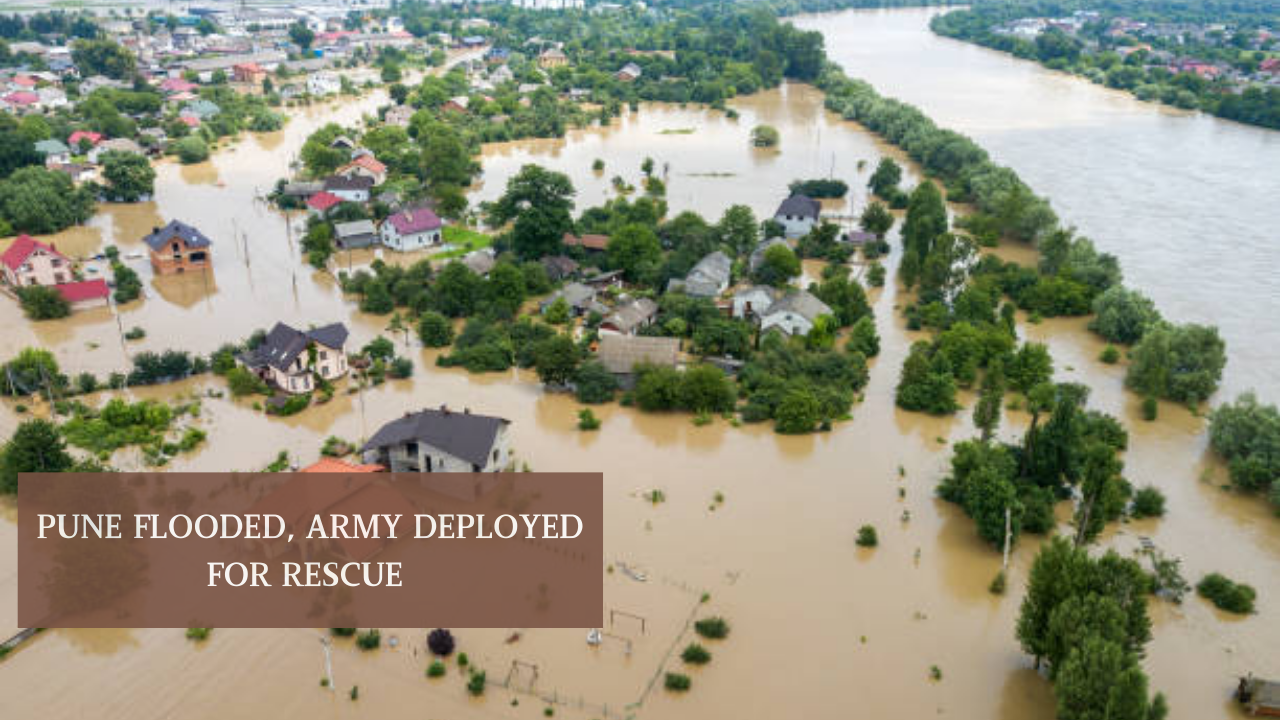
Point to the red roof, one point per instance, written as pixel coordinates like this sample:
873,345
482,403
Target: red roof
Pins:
189,120
177,85
93,137
323,200
248,67
22,248
95,289
368,162
590,242
22,97
24,80
334,465
1270,65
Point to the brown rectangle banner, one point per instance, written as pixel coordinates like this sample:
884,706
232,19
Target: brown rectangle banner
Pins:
258,550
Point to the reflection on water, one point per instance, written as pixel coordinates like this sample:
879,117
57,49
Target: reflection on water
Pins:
861,627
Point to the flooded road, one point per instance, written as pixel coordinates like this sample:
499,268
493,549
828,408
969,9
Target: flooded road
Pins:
1188,202
821,628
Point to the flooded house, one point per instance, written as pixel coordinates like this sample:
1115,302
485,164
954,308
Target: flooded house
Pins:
412,229
580,298
794,313
365,165
29,262
707,279
355,234
351,188
322,202
178,248
559,267
752,301
589,243
797,215
629,318
620,354
441,440
291,359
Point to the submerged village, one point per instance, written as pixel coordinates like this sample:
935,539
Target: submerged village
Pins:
673,243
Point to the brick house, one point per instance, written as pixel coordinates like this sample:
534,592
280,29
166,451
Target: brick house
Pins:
177,248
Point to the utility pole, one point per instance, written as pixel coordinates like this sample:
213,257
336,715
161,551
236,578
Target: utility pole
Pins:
1008,536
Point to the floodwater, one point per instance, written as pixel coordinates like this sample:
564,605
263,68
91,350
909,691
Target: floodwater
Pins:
821,628
1188,202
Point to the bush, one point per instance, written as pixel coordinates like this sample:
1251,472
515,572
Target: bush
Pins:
135,333
593,383
1148,502
475,685
677,682
198,634
1227,594
712,628
342,632
291,406
241,382
435,669
587,420
43,303
369,640
695,654
191,149
997,585
1150,408
440,642
1110,355
435,330
401,368
867,536
765,136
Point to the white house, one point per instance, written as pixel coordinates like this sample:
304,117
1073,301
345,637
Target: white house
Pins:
351,188
291,359
752,302
797,215
443,440
412,229
323,83
794,314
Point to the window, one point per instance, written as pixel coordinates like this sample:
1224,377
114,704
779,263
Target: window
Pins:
324,355
411,448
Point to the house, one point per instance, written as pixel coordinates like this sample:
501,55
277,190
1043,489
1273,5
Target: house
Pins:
708,278
752,301
290,359
458,103
22,101
605,280
342,142
323,83
797,215
302,189
51,98
552,58
580,298
355,234
399,115
123,145
620,354
248,72
794,313
441,440
480,262
177,248
79,137
177,85
28,261
757,255
629,318
354,188
559,267
365,166
589,243
412,229
1270,65
322,202
79,172
54,152
629,72
200,109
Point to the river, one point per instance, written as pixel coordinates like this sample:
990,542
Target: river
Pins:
1188,202
821,628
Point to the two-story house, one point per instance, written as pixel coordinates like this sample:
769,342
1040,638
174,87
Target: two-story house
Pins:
177,248
441,440
797,215
31,262
412,229
291,359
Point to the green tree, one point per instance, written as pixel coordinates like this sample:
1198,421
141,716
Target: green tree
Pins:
435,329
845,297
41,302
504,289
1246,433
301,35
738,229
130,175
986,413
456,290
705,388
593,383
798,413
765,136
103,57
863,337
1182,362
191,149
635,250
884,181
876,218
557,312
539,201
778,267
556,359
36,447
40,201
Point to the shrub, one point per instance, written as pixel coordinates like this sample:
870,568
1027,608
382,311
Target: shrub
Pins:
1150,408
712,628
435,330
43,303
291,406
369,640
677,682
198,634
1227,594
441,642
695,654
241,382
135,333
765,136
593,383
876,275
475,685
867,536
191,149
435,669
997,585
1110,355
587,420
401,368
342,632
1148,502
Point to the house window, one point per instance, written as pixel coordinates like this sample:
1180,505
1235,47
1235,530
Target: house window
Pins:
324,355
411,448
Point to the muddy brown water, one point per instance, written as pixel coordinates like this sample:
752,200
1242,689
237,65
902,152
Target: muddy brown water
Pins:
821,628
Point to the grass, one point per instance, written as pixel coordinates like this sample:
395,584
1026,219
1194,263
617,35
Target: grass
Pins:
677,131
465,240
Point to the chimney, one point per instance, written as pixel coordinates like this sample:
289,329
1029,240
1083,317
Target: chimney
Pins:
466,411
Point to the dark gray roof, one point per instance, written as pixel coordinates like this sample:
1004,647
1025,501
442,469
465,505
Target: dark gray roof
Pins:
461,434
800,206
284,344
355,182
160,237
